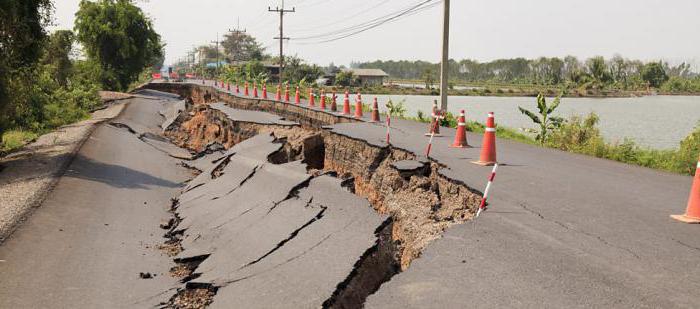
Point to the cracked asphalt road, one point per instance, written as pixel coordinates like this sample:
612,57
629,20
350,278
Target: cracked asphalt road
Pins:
563,230
98,229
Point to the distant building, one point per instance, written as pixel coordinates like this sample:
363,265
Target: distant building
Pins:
369,77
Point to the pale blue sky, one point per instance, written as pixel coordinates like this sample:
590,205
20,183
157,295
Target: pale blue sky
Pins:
482,30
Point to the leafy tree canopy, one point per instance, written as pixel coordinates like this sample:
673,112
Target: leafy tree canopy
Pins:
240,46
120,38
57,55
654,74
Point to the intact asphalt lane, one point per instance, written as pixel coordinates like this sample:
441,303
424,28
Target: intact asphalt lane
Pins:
86,246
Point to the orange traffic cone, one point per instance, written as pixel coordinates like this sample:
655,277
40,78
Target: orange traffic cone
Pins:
461,136
238,89
692,212
228,86
286,92
358,106
245,89
488,147
264,92
346,103
434,127
278,95
297,99
255,89
375,111
311,98
334,103
323,99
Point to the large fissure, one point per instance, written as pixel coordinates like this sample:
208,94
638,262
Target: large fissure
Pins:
420,202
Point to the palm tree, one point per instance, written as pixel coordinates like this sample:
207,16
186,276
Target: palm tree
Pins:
547,123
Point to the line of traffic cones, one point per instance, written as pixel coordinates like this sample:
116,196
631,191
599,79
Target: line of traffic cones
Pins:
692,211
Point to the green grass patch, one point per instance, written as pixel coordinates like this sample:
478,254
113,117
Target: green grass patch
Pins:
16,139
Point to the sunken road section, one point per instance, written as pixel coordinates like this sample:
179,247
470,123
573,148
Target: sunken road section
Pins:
288,214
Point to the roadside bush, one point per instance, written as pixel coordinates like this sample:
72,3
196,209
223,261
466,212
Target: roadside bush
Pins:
689,151
581,135
15,139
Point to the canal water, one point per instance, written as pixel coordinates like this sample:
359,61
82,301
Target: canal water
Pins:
655,121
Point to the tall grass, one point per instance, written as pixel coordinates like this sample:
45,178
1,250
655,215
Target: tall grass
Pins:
15,139
581,135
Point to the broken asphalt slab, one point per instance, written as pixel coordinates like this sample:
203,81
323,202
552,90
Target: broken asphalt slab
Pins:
306,235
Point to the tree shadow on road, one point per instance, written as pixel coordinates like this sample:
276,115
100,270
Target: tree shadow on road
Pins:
115,175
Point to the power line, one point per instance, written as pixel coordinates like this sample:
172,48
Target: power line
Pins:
376,22
306,28
367,24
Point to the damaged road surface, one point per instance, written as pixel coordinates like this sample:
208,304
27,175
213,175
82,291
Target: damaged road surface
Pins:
272,235
93,243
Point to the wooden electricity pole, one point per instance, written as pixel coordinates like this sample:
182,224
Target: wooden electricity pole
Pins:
217,51
444,65
237,32
281,36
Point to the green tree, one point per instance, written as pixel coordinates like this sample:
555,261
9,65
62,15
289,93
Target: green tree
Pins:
654,74
598,69
57,55
345,79
242,47
295,70
546,122
429,78
117,35
21,42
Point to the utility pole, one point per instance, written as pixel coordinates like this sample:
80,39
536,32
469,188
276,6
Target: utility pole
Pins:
217,51
281,36
444,65
237,32
190,60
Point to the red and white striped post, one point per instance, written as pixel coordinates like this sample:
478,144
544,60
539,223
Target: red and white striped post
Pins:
433,129
482,207
388,127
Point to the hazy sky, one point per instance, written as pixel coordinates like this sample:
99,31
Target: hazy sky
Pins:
482,30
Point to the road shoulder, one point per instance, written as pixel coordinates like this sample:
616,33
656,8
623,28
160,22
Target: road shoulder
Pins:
27,176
